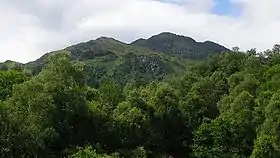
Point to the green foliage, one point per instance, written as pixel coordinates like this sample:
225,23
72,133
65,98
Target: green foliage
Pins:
112,99
231,134
8,79
267,143
49,107
89,152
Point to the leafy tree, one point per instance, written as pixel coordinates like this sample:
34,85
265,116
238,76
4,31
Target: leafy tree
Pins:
231,134
52,107
118,105
235,49
89,152
267,142
7,80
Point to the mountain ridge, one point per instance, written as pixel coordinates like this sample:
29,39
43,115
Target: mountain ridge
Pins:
108,59
104,38
184,46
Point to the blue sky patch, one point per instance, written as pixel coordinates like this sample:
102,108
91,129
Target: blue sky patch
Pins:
226,8
221,7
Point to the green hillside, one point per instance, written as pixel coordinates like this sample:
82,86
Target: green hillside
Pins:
187,47
226,106
7,65
107,99
107,59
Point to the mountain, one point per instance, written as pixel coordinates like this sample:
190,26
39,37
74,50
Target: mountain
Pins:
107,59
10,65
173,44
142,61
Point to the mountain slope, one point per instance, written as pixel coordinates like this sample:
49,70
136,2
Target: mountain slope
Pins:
10,65
142,61
173,44
107,59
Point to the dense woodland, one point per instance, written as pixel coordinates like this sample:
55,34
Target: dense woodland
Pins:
227,105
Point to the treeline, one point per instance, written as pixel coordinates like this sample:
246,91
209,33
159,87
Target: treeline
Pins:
228,106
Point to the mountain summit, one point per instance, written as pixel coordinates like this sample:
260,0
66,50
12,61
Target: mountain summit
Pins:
173,44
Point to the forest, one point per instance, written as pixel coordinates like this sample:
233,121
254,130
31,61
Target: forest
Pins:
227,105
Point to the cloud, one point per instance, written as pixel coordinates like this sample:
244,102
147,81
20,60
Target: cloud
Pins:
193,5
31,28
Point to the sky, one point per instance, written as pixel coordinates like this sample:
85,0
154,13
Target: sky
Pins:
30,28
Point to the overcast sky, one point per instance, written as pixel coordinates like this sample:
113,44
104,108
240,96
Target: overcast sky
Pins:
30,28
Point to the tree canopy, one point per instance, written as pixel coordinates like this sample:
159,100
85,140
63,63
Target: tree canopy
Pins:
226,106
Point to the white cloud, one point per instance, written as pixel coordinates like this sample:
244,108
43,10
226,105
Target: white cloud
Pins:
33,27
